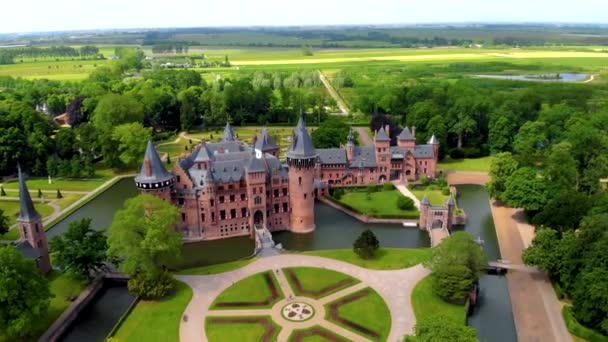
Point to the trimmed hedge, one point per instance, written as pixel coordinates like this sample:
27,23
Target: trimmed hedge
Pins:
381,216
577,329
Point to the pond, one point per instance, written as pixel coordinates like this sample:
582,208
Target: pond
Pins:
565,77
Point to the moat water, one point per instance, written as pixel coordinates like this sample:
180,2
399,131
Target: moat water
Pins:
334,230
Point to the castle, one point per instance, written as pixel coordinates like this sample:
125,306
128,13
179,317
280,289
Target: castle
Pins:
225,189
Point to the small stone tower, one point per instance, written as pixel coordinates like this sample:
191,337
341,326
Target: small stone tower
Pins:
265,144
435,142
350,145
33,243
382,145
425,204
228,133
301,158
450,204
153,178
256,190
406,139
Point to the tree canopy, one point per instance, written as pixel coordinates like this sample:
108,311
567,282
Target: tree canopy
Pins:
438,328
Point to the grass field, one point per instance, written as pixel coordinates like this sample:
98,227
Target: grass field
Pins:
317,279
242,332
58,70
315,338
219,268
34,184
358,201
385,258
250,289
11,209
163,315
436,197
477,165
426,304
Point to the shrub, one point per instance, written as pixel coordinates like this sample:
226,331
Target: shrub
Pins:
445,191
59,195
424,181
388,186
371,188
151,286
2,192
577,329
338,193
457,153
453,283
366,245
39,193
405,203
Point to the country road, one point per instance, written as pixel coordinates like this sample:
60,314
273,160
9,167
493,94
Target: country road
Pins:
334,94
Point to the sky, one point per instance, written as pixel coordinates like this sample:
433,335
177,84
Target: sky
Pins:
60,15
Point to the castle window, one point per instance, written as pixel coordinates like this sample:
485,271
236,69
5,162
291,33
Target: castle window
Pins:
284,191
243,212
221,199
212,217
37,228
183,217
304,196
222,214
178,179
243,197
24,232
39,243
211,203
261,191
284,207
231,198
276,208
300,180
203,217
276,192
258,200
180,201
232,213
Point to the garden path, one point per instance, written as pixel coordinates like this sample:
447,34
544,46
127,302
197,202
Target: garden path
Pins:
407,193
395,287
365,138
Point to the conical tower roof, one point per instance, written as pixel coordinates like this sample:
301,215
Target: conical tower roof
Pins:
152,170
301,143
406,134
425,200
350,139
27,212
433,140
265,142
381,135
228,133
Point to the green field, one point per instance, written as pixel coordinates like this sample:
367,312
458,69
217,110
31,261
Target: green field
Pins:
242,332
316,280
436,197
385,258
477,165
57,70
250,289
358,201
426,303
34,184
11,209
163,315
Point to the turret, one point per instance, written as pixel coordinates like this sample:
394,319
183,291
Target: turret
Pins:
435,142
424,210
256,187
301,158
451,204
350,145
228,133
33,242
382,145
406,139
153,178
265,144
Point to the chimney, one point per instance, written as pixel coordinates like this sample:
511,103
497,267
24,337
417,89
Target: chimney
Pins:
414,131
148,167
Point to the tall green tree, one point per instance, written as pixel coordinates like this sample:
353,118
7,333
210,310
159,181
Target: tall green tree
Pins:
132,139
525,189
331,133
531,143
24,294
366,244
561,172
502,166
81,251
438,328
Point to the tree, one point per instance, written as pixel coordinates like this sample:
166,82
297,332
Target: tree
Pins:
366,244
524,189
590,299
59,195
543,252
142,235
81,251
65,142
449,261
501,167
132,139
561,170
24,294
189,107
530,142
564,211
4,225
439,328
2,192
331,133
405,203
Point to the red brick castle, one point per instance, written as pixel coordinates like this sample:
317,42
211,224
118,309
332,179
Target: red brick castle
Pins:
225,189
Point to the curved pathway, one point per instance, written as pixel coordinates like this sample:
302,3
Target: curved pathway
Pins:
395,287
365,138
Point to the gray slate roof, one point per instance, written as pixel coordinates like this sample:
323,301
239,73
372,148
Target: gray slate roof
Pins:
228,133
332,155
255,165
381,135
364,156
27,212
433,140
406,134
158,172
425,200
27,250
423,151
265,142
301,143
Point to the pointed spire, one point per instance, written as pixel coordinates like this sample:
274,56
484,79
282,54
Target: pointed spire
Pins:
406,134
433,140
301,143
228,133
381,135
27,212
425,200
152,170
350,139
265,142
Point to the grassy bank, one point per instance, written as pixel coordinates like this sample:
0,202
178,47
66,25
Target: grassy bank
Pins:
385,258
476,165
219,268
426,303
381,204
577,329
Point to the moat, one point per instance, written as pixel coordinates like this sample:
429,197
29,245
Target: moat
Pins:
334,230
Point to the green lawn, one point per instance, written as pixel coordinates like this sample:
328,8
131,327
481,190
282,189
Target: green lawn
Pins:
11,209
59,183
435,196
317,279
315,338
578,330
219,268
478,164
67,199
370,312
426,303
250,289
156,321
241,332
385,258
379,204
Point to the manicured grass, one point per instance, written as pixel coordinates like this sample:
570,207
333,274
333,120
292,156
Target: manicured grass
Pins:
369,311
59,183
385,258
315,338
379,204
250,289
219,268
478,164
242,332
156,320
11,209
577,329
436,197
317,279
426,303
67,200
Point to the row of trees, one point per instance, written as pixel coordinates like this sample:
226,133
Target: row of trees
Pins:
8,56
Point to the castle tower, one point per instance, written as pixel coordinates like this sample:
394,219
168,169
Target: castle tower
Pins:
153,178
406,139
424,212
301,158
350,145
382,145
228,133
265,144
256,190
33,238
435,142
450,204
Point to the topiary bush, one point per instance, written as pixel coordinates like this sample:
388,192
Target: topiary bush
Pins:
2,192
366,245
405,203
59,195
151,286
453,283
424,181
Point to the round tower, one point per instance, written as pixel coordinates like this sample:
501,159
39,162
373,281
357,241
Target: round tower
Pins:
153,178
301,158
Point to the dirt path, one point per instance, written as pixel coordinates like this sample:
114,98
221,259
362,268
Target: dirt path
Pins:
365,138
536,310
590,79
334,94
